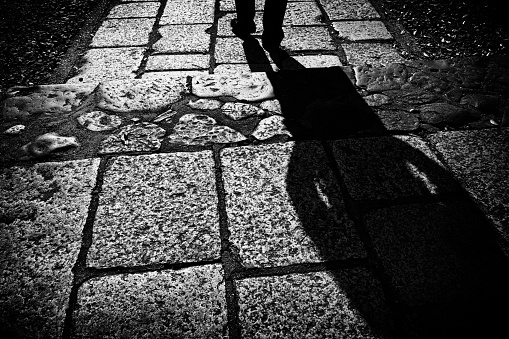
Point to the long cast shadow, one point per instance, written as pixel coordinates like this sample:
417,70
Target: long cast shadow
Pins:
441,273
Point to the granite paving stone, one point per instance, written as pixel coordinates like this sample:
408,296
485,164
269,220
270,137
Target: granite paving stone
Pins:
229,5
302,14
437,252
362,30
43,210
232,69
332,304
376,54
224,28
178,12
307,38
159,208
175,74
233,50
480,159
318,61
134,10
391,168
284,207
349,10
108,63
183,39
187,303
123,32
270,127
177,61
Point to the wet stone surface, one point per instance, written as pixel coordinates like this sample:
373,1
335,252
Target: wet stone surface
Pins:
187,303
156,209
42,213
142,137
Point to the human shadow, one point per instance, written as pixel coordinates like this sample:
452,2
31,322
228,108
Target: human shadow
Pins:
258,61
425,263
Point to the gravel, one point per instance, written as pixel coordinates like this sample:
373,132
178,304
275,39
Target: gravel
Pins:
35,35
453,28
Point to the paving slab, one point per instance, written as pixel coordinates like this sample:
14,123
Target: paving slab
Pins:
177,61
376,54
284,207
349,9
318,61
362,30
123,32
183,39
437,252
108,64
225,30
188,12
188,303
307,38
333,304
480,160
303,14
175,74
42,213
158,208
233,50
134,10
391,168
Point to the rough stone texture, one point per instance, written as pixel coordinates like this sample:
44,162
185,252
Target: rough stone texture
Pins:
270,127
187,303
140,137
233,69
302,14
246,86
204,104
108,64
379,79
362,30
229,5
134,95
307,38
273,106
45,99
188,12
179,61
391,168
318,61
376,99
396,120
194,129
44,144
480,161
238,110
131,10
123,32
334,304
232,50
183,39
446,115
284,207
99,121
14,130
42,213
156,209
436,252
376,54
349,9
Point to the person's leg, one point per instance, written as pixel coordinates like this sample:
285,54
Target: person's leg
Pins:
273,16
244,23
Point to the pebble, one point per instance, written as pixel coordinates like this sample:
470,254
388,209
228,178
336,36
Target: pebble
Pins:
14,130
205,104
45,144
270,127
98,121
238,110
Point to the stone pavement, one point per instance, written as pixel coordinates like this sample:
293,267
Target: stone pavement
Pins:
165,191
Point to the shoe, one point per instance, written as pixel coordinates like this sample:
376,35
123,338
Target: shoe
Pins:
242,31
271,44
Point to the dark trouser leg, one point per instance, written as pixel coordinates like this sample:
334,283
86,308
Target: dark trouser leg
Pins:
273,16
245,12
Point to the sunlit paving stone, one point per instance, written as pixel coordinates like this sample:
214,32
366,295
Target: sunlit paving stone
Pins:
183,38
156,209
284,207
362,30
123,32
375,54
134,10
188,12
187,303
43,212
108,63
349,9
177,61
